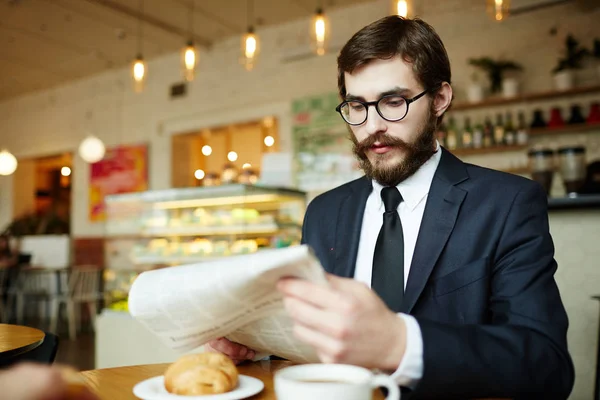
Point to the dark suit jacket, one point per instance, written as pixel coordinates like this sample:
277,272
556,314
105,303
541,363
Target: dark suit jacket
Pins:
481,282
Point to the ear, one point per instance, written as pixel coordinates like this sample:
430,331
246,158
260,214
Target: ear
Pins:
442,99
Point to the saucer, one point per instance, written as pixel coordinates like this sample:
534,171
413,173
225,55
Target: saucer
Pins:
154,389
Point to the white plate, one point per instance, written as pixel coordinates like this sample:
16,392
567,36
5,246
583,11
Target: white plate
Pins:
154,389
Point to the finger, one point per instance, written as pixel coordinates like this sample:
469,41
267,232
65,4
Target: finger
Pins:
231,349
317,295
32,382
315,318
327,348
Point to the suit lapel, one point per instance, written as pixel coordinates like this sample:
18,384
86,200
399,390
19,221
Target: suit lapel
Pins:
349,225
443,204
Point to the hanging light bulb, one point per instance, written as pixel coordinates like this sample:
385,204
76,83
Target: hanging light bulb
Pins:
498,9
189,60
249,49
92,149
138,72
402,8
189,54
319,32
8,163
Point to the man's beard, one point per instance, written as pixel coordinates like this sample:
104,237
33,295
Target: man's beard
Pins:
415,154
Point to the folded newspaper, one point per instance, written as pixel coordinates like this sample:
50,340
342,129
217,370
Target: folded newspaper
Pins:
236,298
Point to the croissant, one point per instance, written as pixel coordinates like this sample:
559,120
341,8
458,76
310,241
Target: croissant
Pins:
200,374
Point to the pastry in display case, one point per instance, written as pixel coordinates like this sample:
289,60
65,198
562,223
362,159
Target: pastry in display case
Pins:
163,228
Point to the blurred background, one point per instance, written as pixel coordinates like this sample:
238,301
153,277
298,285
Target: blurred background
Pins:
141,134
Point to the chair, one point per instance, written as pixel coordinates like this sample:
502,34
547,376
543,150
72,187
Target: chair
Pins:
83,287
45,353
3,293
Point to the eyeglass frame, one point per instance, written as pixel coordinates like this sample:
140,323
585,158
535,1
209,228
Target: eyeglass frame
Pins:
375,103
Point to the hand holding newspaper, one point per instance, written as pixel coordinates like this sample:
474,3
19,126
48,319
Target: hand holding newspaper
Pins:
235,297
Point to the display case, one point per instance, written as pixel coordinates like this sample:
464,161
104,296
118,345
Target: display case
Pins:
163,228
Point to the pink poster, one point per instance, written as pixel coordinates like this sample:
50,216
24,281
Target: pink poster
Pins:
123,169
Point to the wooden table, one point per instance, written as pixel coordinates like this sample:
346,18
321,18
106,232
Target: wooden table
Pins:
16,339
118,383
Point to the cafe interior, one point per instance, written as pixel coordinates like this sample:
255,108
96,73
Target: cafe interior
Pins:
144,134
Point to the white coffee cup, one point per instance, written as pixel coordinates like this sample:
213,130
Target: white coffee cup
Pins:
331,381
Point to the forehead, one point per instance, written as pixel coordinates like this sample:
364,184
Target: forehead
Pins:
380,76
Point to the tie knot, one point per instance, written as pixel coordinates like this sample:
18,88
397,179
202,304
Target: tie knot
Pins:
391,198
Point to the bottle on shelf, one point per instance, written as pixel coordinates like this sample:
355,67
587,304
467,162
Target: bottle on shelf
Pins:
522,132
488,133
467,134
510,135
499,131
452,137
478,136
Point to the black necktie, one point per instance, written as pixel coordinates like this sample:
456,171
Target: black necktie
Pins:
388,262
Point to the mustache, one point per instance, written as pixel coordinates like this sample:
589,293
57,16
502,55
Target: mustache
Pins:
382,139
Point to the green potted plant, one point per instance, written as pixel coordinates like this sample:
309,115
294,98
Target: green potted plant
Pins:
500,74
571,60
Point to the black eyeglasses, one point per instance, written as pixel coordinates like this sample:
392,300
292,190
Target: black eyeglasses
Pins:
391,107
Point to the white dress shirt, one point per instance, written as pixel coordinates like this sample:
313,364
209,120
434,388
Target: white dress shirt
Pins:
414,191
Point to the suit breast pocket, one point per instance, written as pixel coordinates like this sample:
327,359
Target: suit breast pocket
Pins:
464,276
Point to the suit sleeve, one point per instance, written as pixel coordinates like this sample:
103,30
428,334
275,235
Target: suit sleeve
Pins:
523,352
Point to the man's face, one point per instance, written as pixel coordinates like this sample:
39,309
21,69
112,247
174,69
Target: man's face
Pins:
390,152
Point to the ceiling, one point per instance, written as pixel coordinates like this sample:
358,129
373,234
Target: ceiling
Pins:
45,43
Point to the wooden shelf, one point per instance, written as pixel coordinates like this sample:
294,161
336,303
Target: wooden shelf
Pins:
500,101
486,150
567,129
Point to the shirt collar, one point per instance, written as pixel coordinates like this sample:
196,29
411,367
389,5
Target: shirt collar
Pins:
416,187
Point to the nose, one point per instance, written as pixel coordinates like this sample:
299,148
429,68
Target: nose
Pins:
374,123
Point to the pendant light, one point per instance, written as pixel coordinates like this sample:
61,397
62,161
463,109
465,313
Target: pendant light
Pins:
401,8
250,42
319,32
498,10
8,163
139,67
189,54
91,149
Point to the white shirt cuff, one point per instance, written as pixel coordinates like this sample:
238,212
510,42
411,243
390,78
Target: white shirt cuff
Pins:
410,370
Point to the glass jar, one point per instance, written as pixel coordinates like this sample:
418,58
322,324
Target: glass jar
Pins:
541,166
572,168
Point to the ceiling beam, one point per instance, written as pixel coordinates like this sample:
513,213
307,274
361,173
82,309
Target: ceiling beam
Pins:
157,23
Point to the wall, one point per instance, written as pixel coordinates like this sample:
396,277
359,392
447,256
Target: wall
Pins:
54,121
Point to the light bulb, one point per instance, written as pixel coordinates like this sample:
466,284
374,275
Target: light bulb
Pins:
319,32
65,171
232,156
189,61
92,149
206,150
498,9
250,48
402,8
8,163
138,73
199,174
246,166
269,141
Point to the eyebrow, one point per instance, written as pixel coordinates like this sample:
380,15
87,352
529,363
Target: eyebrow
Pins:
396,90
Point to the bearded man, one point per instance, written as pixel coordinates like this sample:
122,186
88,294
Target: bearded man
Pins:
441,272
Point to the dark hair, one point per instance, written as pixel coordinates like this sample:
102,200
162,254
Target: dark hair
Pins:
412,39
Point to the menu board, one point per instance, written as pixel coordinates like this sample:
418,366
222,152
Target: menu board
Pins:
322,149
